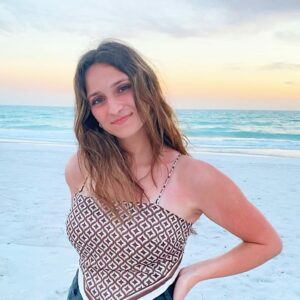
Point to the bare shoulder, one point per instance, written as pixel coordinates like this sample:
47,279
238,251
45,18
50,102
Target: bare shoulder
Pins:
74,173
204,182
221,200
200,174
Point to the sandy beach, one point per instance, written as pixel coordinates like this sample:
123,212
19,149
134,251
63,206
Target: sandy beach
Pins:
37,261
224,73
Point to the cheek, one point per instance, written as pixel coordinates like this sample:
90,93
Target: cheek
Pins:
139,119
98,114
129,101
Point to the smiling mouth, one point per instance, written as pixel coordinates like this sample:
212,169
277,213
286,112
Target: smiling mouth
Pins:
122,119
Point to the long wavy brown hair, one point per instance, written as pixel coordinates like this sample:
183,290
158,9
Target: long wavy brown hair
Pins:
105,161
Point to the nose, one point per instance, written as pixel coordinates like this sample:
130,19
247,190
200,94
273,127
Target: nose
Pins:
114,106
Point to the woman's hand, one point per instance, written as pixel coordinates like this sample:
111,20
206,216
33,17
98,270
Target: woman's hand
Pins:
183,284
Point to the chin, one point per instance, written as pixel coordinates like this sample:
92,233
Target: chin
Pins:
125,133
123,136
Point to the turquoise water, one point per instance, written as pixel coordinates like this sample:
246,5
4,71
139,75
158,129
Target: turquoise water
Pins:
229,131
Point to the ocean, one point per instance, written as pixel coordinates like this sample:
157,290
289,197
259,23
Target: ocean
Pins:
37,260
252,132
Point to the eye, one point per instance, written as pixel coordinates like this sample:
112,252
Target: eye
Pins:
124,87
96,100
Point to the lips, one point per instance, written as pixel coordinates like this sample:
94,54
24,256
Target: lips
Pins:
122,119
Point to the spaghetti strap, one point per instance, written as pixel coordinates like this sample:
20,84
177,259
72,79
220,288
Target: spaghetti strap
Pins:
167,180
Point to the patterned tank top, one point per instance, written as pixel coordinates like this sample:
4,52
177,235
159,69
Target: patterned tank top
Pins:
134,260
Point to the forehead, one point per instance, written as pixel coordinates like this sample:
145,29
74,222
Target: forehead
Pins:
103,74
100,78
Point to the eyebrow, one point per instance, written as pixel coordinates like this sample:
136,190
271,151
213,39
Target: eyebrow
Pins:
113,85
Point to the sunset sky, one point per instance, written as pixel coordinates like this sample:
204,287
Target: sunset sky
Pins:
208,54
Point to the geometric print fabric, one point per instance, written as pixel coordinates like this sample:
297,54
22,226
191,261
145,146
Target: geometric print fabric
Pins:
129,260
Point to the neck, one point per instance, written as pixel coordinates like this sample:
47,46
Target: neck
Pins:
139,147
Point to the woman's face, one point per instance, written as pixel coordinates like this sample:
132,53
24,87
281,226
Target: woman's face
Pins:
111,100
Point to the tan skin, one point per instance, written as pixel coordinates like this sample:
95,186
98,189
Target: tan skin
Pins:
196,187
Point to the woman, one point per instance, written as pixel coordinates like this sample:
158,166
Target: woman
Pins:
136,192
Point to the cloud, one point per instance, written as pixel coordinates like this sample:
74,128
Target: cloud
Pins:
288,36
92,16
281,66
129,18
289,82
258,7
7,19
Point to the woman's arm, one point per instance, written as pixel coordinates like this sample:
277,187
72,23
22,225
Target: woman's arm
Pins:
224,203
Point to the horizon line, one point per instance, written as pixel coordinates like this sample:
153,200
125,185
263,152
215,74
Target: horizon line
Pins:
176,108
